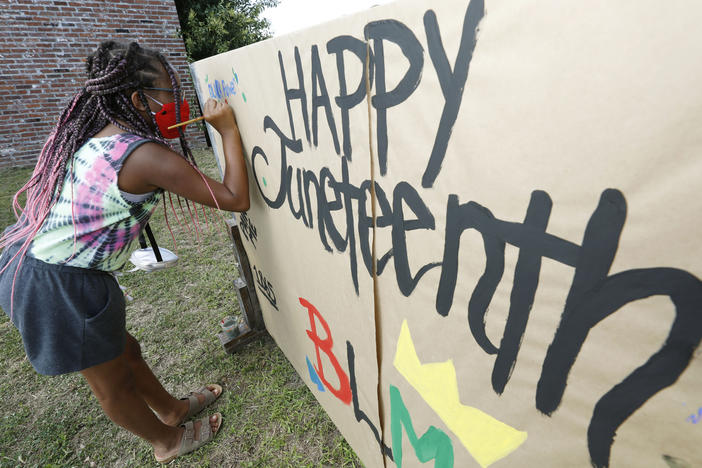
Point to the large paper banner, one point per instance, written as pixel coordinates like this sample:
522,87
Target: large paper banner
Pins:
475,226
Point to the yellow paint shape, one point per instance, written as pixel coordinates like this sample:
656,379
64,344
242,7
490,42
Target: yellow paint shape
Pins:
486,438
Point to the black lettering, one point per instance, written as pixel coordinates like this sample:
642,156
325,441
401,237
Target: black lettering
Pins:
595,296
350,192
300,213
295,93
359,414
347,101
452,82
495,234
326,221
459,218
404,192
309,178
320,98
526,280
285,142
365,224
398,33
596,255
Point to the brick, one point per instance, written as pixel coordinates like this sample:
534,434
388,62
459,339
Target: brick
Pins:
43,46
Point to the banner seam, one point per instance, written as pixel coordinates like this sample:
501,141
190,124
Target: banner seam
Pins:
374,267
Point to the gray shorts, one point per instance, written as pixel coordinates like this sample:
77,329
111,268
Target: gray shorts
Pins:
69,318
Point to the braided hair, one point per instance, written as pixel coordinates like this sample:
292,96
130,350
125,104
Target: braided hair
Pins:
115,70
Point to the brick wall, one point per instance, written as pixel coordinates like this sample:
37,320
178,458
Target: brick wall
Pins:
43,46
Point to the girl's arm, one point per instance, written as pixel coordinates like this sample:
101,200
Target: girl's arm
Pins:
153,166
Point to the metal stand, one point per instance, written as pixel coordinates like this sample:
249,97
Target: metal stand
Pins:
246,294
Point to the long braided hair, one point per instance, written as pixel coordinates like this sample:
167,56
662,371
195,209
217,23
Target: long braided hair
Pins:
115,70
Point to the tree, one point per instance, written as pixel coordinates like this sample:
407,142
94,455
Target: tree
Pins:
210,27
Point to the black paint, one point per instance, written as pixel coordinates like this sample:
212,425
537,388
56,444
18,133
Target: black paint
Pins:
295,93
458,219
452,82
300,212
358,413
526,280
595,296
365,225
320,98
248,229
265,287
285,142
310,179
399,34
405,193
345,101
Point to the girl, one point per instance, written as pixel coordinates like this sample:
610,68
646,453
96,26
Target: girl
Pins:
97,181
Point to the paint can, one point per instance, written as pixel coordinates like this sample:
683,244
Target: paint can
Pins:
231,326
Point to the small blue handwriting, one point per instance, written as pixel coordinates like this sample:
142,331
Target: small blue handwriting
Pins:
221,89
695,418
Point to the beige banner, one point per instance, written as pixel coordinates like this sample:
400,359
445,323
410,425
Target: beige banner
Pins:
532,172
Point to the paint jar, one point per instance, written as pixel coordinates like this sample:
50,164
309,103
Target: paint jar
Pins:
230,326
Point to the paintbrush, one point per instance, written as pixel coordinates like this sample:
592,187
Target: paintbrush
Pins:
186,122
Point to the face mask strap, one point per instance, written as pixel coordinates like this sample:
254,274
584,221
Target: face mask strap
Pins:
159,89
153,99
170,90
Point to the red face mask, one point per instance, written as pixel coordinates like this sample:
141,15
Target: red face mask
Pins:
166,117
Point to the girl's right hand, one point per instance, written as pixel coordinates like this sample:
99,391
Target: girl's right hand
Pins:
220,116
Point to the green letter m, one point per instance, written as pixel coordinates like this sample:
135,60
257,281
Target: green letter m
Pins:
434,444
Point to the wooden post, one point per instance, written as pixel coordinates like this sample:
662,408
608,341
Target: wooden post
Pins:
246,294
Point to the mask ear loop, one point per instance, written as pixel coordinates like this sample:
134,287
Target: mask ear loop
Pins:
156,101
145,102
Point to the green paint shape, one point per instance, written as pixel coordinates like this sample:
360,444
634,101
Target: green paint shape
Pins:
206,78
434,444
265,184
243,95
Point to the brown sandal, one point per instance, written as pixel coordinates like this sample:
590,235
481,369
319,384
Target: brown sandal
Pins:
188,442
195,405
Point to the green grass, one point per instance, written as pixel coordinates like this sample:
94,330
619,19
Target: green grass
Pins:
11,180
270,416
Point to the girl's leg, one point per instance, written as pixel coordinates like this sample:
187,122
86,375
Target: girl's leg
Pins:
169,409
114,385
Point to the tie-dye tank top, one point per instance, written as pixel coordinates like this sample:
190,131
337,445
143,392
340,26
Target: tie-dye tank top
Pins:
92,225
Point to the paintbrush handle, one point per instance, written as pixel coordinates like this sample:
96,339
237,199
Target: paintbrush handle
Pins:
186,122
